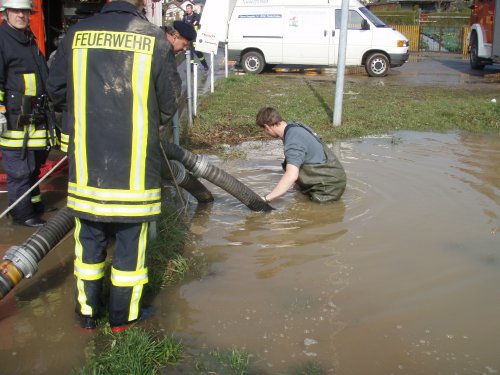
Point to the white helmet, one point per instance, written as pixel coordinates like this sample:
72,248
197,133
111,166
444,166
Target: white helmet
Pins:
16,4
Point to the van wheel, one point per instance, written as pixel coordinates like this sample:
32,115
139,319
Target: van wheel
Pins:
475,61
377,65
253,62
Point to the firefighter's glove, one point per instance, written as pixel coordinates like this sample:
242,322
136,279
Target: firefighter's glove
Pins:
3,122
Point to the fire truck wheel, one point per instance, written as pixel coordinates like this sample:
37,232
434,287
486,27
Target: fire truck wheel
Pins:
475,61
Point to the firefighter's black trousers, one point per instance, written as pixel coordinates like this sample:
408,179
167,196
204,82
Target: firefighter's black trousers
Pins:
128,269
22,174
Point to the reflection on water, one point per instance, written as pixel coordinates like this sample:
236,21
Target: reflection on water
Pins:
399,277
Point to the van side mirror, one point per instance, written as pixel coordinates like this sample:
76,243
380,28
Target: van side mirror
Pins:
365,25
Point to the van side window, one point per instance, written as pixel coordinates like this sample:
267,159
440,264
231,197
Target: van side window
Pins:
353,22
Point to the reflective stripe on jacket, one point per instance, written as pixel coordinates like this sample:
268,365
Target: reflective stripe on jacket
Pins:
23,73
122,78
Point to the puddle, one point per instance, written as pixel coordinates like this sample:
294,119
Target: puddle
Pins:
400,276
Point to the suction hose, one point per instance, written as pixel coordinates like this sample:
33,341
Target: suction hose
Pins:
22,261
186,180
200,167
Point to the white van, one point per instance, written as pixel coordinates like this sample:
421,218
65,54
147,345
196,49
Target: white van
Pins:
306,32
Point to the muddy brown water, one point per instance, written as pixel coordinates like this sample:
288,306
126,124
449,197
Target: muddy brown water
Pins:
399,277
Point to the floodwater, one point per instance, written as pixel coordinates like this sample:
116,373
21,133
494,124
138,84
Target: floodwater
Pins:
399,277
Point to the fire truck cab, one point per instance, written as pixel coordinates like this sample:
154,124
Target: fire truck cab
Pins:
484,38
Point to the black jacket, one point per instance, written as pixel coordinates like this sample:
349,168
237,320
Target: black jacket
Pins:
23,72
114,74
193,19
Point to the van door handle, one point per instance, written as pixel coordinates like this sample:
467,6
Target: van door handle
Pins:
333,32
324,33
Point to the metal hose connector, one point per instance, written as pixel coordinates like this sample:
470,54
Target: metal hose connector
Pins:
22,261
187,181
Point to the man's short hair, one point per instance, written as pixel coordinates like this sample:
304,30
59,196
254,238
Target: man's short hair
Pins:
268,116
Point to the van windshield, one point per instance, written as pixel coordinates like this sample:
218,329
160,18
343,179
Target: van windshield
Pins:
372,17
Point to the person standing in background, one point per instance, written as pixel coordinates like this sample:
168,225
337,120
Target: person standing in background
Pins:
193,18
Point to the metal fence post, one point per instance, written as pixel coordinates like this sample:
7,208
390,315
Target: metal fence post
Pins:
176,128
195,89
225,59
189,88
212,72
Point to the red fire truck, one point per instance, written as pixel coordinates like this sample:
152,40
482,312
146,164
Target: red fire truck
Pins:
484,38
53,17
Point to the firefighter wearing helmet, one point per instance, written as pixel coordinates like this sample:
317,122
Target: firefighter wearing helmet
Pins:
16,4
24,138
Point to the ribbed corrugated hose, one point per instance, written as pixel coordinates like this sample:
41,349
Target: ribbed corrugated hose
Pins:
186,180
22,261
201,168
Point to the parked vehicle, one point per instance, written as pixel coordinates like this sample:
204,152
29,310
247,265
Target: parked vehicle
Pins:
484,38
52,18
306,32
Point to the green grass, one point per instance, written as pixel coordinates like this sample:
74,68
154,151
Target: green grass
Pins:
133,351
166,264
228,115
232,361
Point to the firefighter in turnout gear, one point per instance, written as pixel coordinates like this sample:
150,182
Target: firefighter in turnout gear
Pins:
114,74
192,18
24,137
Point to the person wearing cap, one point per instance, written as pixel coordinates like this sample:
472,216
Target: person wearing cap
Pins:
192,18
115,75
179,35
24,138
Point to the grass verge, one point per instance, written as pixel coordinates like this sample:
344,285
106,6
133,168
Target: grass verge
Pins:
133,351
228,115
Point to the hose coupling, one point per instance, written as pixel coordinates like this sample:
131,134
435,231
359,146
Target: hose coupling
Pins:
23,259
200,167
179,171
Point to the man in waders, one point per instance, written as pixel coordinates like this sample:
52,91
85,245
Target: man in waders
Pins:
115,75
308,161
